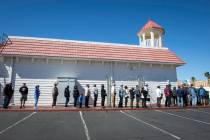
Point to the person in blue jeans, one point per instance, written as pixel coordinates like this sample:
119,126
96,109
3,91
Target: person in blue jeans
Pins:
80,99
36,96
179,93
201,95
192,92
121,95
76,95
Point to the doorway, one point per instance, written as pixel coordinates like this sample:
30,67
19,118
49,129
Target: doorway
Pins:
63,82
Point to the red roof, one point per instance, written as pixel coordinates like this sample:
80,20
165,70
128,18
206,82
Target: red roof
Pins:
23,46
150,25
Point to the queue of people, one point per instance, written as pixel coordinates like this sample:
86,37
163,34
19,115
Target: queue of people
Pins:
182,96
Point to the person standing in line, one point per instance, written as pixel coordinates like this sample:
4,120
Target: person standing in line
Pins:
174,96
54,95
144,98
103,95
121,95
126,95
8,93
75,95
138,96
24,93
36,97
95,93
202,94
192,91
185,94
132,96
167,95
67,95
113,92
179,94
87,96
170,93
81,94
159,96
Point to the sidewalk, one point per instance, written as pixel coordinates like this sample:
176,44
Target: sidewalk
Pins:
73,109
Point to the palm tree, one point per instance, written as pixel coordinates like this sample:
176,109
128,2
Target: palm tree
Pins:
207,75
193,79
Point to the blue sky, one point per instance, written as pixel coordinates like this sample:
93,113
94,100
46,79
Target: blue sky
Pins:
186,22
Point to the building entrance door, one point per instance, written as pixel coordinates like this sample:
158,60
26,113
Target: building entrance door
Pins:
63,82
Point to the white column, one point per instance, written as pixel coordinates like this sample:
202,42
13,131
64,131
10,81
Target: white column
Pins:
152,39
140,41
160,41
144,41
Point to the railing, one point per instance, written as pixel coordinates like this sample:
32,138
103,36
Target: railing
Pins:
148,43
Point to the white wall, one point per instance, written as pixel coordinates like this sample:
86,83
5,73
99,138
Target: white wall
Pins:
45,74
149,73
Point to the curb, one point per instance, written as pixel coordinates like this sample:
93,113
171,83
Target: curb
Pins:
96,109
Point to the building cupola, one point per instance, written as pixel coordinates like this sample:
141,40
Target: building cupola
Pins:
151,35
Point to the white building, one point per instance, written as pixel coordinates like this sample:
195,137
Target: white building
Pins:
44,61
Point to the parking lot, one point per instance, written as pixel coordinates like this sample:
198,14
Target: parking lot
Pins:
187,124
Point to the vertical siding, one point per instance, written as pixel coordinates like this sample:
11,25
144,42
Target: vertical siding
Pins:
46,86
98,83
152,89
46,74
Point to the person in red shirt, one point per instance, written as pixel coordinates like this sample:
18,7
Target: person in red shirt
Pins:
167,92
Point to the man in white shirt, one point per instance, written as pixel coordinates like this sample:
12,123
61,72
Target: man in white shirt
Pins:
159,96
113,91
87,96
95,92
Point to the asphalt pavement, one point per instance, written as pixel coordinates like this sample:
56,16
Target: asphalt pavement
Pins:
187,124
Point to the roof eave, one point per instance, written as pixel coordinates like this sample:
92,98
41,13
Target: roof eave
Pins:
98,59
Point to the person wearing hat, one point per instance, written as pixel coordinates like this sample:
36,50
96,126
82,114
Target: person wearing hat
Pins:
24,93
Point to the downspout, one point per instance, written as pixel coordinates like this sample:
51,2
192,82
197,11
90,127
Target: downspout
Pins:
13,75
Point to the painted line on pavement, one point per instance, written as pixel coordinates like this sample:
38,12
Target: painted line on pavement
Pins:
199,111
16,123
155,127
183,117
84,125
